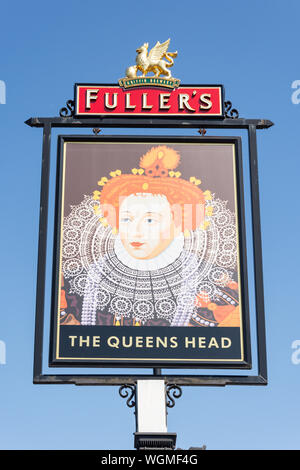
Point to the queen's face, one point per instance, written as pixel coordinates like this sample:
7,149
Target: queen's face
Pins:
146,225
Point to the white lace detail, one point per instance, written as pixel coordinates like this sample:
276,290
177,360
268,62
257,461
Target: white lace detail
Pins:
100,270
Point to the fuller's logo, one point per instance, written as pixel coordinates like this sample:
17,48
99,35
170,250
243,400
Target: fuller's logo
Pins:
148,89
151,62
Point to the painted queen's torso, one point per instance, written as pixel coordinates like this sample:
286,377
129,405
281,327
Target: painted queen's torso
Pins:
160,291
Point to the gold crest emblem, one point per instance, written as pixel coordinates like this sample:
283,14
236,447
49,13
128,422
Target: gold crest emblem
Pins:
151,62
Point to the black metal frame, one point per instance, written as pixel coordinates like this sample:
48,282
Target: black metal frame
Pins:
251,125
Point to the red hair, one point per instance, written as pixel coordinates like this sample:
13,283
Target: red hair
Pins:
186,199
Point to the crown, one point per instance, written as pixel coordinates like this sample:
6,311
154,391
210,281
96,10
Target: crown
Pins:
159,160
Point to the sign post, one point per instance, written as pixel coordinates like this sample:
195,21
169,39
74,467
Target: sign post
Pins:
150,257
151,398
151,416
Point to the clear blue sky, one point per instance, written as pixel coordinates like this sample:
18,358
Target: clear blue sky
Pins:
250,47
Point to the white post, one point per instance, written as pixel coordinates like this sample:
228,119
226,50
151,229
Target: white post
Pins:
151,416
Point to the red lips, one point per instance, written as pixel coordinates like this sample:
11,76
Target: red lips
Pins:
136,244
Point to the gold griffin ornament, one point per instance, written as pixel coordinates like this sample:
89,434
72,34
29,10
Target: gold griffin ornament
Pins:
153,61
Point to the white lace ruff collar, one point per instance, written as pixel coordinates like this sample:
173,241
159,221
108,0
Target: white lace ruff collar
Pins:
168,256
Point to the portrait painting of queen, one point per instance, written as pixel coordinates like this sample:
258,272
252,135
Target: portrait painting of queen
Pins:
149,236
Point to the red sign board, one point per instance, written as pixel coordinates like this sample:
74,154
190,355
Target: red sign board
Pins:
113,100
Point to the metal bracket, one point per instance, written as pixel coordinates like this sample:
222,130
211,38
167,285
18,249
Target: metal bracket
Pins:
129,392
230,113
96,130
172,392
68,110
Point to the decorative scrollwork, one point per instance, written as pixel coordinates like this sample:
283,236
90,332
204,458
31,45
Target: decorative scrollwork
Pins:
128,391
68,110
230,112
172,391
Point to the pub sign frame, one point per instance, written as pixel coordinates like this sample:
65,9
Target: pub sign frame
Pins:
230,120
71,343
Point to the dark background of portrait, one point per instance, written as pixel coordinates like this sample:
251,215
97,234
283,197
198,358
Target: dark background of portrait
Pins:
87,163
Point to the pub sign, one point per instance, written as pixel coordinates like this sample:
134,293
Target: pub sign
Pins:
150,255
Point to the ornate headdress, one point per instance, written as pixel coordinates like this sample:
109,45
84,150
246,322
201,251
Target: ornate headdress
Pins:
156,175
